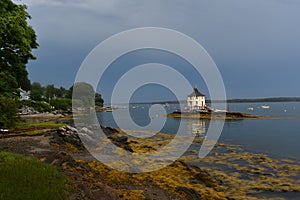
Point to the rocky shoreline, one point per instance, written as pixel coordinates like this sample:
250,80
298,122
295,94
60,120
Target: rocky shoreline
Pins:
227,173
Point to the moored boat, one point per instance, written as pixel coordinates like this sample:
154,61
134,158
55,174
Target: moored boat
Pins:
265,106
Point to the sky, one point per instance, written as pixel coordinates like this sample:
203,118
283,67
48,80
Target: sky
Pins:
255,44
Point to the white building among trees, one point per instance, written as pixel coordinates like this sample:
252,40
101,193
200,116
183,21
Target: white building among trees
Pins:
196,100
24,95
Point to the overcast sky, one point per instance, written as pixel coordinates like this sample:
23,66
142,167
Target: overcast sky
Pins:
255,43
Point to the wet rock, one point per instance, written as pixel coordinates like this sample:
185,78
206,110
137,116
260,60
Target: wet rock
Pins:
121,142
86,130
70,135
202,177
108,131
149,147
70,128
105,193
67,135
190,193
122,139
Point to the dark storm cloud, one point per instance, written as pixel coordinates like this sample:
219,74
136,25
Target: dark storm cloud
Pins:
254,43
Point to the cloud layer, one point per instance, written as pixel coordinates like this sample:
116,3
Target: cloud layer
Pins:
253,42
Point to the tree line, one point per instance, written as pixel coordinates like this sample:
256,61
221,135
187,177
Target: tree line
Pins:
60,98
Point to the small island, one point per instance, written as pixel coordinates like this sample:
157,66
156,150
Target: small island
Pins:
197,108
214,115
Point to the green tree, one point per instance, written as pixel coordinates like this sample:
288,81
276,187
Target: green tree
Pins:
8,110
84,95
37,92
60,92
50,92
64,91
98,100
8,84
69,92
61,103
17,39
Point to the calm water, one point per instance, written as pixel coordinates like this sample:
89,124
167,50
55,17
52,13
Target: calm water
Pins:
278,137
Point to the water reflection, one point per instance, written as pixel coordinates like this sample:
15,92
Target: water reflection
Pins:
197,127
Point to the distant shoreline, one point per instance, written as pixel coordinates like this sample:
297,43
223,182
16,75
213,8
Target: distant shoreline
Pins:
261,100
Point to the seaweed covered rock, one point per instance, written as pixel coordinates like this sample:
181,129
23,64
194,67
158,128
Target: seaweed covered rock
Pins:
67,135
73,137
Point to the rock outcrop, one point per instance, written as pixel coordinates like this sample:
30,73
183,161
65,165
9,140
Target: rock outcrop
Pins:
26,110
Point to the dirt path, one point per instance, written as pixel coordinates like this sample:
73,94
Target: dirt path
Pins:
34,146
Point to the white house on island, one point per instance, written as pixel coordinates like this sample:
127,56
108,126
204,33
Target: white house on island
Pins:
196,100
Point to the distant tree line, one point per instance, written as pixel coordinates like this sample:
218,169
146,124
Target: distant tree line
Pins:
61,98
46,93
274,99
271,99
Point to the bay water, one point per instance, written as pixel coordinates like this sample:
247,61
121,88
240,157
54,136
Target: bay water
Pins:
278,137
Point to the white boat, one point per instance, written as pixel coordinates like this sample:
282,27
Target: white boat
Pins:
265,106
219,111
250,108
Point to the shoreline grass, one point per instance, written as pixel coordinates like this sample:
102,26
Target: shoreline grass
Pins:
36,128
28,178
48,124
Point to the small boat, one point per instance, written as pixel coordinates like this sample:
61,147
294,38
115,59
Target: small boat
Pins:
219,111
166,105
265,106
250,108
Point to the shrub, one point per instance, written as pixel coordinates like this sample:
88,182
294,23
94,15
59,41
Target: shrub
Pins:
8,112
61,103
39,106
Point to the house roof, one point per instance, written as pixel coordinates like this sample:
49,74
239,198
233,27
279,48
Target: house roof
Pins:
196,93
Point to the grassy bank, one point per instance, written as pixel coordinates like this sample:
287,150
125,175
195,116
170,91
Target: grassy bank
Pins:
36,128
37,124
27,178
